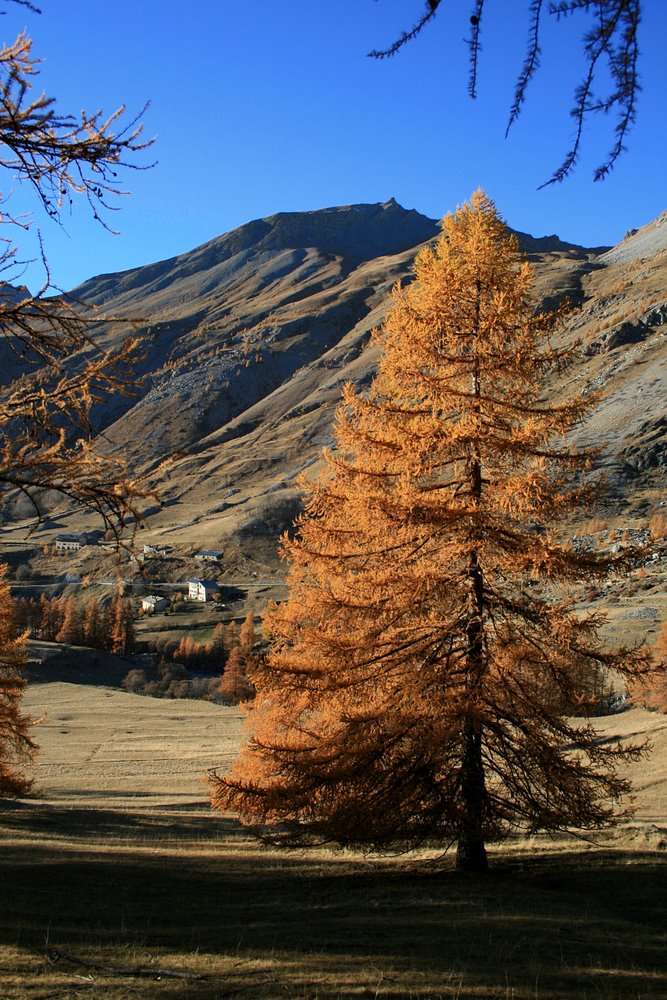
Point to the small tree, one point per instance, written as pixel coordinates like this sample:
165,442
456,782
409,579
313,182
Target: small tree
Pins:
16,747
235,685
122,626
134,681
421,664
247,637
92,623
651,692
71,631
51,617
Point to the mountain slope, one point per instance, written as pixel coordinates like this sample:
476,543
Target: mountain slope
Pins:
249,338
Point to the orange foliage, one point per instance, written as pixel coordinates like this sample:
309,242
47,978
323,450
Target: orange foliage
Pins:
234,685
423,666
651,691
16,747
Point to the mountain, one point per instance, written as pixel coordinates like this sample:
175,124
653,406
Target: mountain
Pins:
249,338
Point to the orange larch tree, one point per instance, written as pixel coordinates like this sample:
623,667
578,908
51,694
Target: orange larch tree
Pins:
235,686
121,639
651,692
423,665
16,747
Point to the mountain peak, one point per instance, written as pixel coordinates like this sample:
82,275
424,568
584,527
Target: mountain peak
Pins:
358,232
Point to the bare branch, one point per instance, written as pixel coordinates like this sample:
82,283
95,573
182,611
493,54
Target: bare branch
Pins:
611,42
408,36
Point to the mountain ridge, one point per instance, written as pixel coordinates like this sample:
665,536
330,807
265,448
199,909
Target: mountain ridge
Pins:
249,338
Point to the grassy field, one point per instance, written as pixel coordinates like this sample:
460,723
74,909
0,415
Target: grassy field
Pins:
118,882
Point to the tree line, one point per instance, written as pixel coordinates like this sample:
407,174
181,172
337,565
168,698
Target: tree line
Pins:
227,658
218,670
99,624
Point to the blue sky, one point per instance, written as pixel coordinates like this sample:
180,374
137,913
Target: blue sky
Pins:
263,106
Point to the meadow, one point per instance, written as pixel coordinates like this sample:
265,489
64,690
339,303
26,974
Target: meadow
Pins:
119,882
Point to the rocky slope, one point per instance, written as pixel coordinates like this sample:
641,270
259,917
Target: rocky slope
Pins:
249,338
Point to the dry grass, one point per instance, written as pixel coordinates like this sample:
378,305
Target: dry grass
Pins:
99,902
120,883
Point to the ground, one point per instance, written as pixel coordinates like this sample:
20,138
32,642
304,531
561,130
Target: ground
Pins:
119,882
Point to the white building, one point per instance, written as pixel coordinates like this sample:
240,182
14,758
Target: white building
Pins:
70,543
154,603
202,590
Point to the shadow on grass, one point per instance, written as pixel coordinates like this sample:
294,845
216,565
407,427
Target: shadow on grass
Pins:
574,925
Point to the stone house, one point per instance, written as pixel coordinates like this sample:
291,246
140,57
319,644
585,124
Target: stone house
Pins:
70,543
208,555
154,603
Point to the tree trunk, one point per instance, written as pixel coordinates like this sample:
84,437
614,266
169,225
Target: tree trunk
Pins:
471,852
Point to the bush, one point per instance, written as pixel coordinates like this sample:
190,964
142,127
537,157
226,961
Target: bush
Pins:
135,681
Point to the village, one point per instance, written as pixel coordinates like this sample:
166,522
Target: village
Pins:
155,619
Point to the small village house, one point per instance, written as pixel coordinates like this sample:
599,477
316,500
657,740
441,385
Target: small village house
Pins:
154,603
202,590
208,555
70,543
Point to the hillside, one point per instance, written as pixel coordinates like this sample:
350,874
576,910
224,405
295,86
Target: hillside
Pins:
249,338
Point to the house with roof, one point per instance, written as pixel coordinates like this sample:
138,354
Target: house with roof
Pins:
70,543
202,590
153,603
209,555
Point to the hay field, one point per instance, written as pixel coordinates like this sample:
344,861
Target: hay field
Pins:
119,882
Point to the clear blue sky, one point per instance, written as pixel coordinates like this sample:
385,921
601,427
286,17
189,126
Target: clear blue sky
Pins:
263,106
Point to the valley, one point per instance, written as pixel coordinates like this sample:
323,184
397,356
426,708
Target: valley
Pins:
247,342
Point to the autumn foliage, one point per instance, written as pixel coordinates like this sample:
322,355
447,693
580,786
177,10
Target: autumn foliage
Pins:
16,747
425,663
651,691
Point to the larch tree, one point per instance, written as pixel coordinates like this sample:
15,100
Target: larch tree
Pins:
16,747
235,686
92,623
52,611
71,629
53,372
247,637
121,639
423,664
651,692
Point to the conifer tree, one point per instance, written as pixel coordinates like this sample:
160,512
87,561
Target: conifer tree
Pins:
51,617
16,747
235,685
651,692
70,631
122,627
92,623
218,641
421,667
247,637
